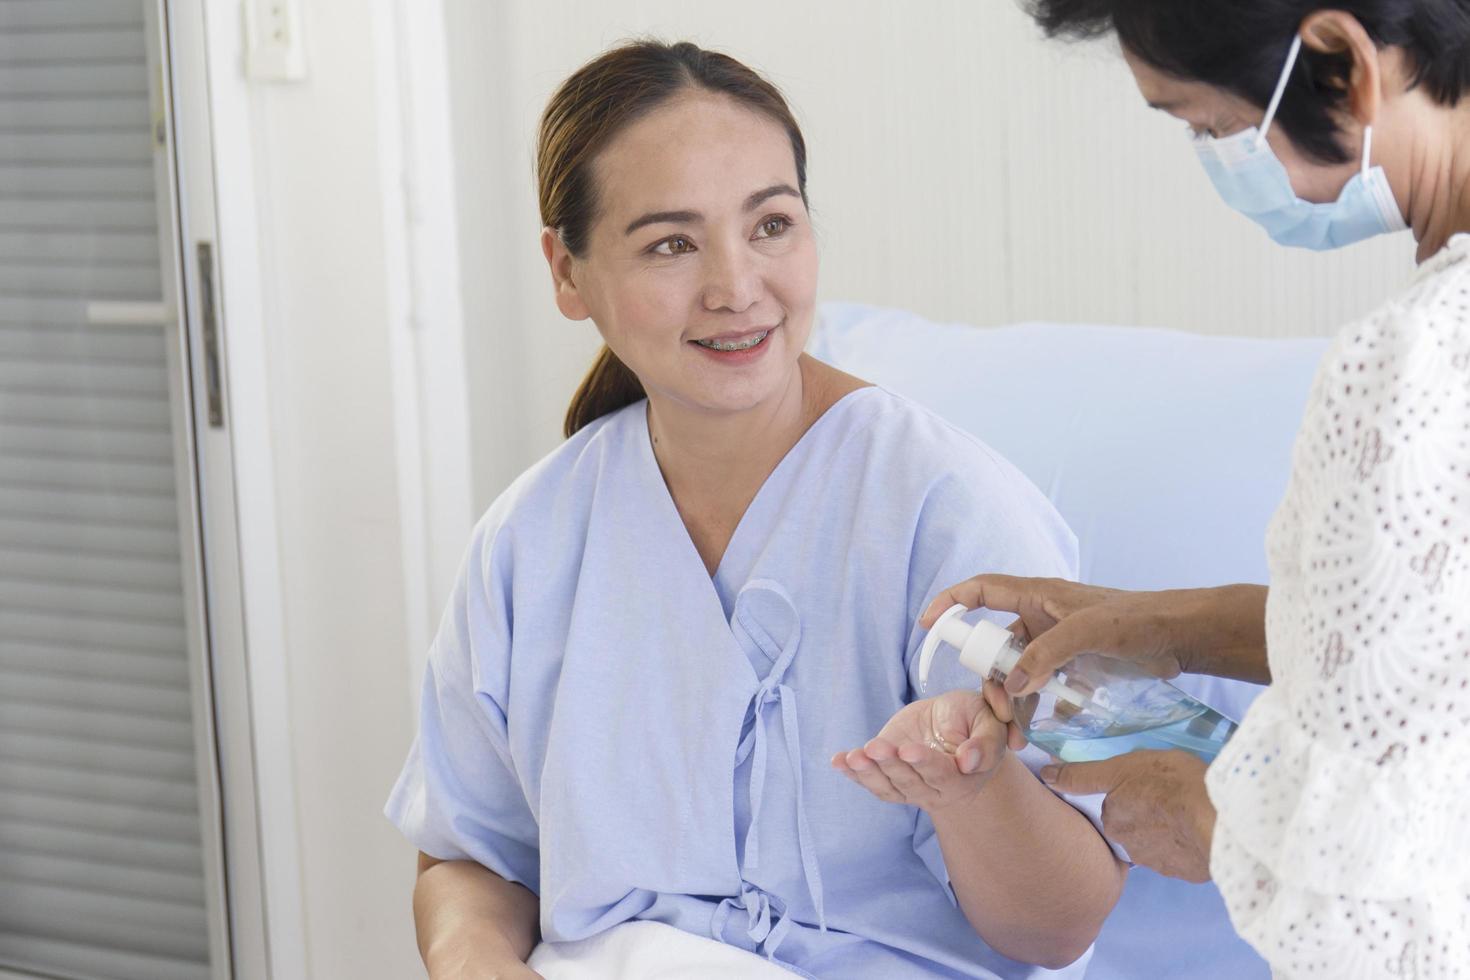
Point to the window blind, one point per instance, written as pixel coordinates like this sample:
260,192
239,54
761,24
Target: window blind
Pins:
101,872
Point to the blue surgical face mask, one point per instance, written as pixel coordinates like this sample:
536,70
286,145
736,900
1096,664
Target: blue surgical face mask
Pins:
1252,181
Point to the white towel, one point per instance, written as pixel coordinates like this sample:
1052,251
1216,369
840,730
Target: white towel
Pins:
650,951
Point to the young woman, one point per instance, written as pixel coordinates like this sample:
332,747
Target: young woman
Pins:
666,628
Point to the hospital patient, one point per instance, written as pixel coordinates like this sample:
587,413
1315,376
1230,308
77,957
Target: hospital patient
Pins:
665,629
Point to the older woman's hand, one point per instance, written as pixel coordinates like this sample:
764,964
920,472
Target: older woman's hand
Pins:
936,752
1156,807
1217,631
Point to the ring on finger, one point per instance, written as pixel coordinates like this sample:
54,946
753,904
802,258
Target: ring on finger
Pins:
938,741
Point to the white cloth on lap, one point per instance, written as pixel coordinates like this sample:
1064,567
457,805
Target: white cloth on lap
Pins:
650,951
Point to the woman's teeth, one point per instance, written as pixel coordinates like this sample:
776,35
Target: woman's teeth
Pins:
735,344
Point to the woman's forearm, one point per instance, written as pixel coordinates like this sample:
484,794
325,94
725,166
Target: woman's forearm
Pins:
1225,629
464,912
1032,875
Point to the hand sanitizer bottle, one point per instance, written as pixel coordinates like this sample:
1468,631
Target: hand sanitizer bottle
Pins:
1096,708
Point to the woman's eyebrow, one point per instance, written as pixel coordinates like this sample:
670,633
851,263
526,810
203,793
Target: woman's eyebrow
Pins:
762,196
664,217
693,217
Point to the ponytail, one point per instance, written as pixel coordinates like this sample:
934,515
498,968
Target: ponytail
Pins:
608,387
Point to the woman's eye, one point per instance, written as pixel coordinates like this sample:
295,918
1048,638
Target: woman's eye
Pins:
678,245
772,226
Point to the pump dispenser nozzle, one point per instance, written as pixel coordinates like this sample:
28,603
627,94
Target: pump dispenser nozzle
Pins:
984,648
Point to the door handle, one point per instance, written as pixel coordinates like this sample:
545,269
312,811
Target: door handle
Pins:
112,313
209,327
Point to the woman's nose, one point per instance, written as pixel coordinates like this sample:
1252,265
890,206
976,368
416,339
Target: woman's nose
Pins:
731,280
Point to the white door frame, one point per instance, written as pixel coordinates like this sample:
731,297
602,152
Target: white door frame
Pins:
237,493
178,315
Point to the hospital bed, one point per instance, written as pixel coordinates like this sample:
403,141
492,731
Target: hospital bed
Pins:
1167,452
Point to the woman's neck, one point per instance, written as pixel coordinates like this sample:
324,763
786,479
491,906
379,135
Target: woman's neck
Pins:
715,464
1439,198
712,454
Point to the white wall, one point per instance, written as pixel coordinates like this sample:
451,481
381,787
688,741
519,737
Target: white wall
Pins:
961,166
325,318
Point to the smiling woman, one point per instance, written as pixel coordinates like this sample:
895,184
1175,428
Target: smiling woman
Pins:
578,177
666,628
710,247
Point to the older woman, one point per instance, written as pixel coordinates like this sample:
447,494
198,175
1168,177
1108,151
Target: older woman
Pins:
1332,821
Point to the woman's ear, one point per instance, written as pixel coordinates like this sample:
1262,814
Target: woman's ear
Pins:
1338,32
559,259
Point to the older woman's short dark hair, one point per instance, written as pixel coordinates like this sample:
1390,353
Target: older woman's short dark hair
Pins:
1240,46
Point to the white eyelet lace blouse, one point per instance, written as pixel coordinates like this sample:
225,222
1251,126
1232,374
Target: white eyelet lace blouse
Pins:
1342,845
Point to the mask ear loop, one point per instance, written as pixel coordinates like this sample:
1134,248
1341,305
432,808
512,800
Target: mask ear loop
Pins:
1367,148
1296,47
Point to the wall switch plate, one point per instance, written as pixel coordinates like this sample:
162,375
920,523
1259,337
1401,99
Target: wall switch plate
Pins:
275,49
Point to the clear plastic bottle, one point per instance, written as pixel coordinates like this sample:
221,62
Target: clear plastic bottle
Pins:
1096,708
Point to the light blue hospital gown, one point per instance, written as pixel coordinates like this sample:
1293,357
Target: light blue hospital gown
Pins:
630,739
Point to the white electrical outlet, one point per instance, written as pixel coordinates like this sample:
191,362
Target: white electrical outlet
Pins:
275,50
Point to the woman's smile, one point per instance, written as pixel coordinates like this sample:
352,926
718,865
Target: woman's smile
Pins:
739,348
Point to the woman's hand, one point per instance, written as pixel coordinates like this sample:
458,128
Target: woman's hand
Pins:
936,752
1216,631
1156,807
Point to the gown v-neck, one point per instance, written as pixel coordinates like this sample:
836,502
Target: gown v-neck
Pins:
668,510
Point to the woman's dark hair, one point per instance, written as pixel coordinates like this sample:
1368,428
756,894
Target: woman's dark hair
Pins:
599,101
1241,47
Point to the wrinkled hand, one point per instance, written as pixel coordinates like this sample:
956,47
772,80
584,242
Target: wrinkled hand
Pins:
1156,807
936,752
1063,619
